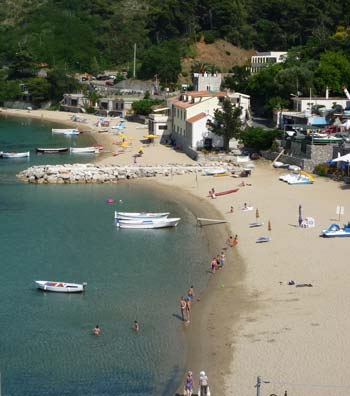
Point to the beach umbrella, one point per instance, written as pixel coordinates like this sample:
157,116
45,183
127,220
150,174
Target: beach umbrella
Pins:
300,218
269,226
257,214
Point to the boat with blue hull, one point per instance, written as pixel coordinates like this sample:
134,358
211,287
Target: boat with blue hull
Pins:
335,231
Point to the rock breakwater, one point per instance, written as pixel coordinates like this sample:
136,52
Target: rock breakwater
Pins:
91,173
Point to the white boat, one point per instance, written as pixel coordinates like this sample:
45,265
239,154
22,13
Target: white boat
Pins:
334,231
141,215
84,150
278,164
293,178
61,287
213,171
16,155
243,158
148,223
66,131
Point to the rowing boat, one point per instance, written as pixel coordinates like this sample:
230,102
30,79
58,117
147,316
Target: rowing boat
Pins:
54,150
224,193
16,155
148,223
139,216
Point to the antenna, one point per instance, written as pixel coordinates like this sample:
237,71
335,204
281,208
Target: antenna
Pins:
134,72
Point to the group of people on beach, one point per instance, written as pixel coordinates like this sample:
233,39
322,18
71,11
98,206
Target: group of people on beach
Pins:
185,305
203,384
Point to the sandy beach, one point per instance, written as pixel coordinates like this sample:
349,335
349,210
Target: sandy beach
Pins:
250,322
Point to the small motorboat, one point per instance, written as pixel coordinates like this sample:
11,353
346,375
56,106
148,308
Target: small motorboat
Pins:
66,131
278,164
53,150
256,224
16,155
139,216
263,239
84,150
334,230
148,223
61,287
213,171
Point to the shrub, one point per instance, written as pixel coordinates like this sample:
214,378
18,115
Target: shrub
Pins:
259,138
322,169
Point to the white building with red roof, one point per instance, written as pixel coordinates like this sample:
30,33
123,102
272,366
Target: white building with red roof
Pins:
185,119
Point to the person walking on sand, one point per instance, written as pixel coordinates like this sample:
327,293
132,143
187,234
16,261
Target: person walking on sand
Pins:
229,241
188,384
188,310
213,265
203,383
235,241
222,259
183,308
232,209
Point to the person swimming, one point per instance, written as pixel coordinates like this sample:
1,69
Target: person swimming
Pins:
96,331
136,326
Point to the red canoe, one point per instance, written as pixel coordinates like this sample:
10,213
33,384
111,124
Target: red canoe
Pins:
224,192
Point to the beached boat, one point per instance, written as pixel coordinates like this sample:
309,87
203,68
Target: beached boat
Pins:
84,150
278,164
242,158
213,171
61,287
222,174
16,155
53,150
256,224
218,194
66,131
334,230
263,239
296,179
148,223
140,215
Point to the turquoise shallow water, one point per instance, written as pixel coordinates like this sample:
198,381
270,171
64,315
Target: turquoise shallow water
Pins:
67,233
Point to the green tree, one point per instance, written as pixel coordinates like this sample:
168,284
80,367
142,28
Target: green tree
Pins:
163,60
39,89
144,106
227,122
61,83
259,138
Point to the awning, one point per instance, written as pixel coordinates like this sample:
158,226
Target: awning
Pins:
344,158
162,109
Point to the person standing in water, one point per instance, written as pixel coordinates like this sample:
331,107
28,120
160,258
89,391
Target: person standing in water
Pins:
136,326
183,308
96,331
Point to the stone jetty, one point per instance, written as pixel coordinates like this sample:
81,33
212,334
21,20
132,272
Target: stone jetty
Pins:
92,173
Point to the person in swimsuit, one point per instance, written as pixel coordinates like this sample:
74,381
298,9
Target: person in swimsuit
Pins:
190,293
136,326
183,308
96,331
213,265
222,259
188,310
188,384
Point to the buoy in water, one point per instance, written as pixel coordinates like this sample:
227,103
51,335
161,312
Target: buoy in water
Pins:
110,200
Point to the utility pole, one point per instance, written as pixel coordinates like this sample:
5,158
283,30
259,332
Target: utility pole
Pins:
134,72
259,381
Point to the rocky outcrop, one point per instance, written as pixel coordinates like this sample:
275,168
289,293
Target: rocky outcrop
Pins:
91,173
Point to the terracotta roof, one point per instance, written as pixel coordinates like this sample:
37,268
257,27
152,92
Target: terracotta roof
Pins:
198,94
183,105
196,118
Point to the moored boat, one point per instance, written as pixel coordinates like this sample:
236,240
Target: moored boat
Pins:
51,150
16,155
139,216
148,223
213,171
61,287
334,230
66,131
85,150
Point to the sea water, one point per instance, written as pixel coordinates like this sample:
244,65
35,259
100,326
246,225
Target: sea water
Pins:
67,233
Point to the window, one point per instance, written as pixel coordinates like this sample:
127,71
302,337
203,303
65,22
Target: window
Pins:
163,127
